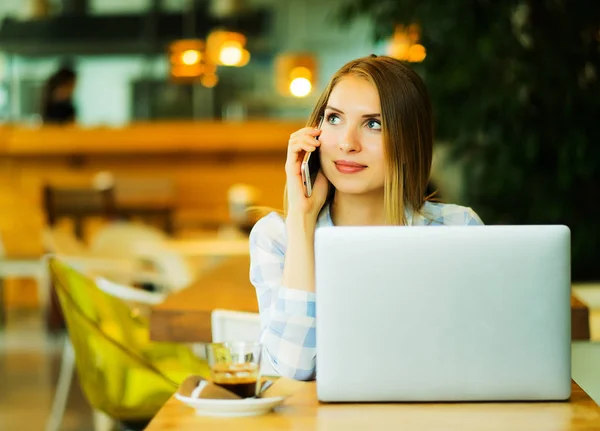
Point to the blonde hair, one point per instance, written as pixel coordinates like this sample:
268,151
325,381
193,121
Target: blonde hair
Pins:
407,127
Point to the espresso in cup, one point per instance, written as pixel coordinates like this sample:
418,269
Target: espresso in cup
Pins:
235,367
237,378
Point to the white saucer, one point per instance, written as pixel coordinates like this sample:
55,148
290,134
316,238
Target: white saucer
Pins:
231,408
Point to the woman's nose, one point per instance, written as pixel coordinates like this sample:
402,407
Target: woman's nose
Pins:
349,142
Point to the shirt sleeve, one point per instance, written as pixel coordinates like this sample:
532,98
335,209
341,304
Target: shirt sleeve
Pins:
472,219
288,323
455,215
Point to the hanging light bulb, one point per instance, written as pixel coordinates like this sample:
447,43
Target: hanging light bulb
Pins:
226,48
230,53
186,60
189,63
404,44
191,57
300,87
295,74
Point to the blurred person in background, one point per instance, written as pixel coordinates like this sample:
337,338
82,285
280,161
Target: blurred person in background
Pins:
57,97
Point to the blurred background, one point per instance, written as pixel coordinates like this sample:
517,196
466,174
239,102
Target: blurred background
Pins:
172,116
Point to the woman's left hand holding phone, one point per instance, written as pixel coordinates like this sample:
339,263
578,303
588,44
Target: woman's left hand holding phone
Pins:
302,141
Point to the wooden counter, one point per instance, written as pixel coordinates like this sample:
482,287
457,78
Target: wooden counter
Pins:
302,411
150,138
201,160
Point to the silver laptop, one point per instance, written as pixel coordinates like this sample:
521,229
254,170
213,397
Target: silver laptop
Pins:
454,313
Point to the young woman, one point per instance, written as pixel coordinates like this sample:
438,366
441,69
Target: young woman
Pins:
376,145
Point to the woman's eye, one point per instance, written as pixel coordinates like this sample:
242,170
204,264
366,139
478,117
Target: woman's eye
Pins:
374,125
333,119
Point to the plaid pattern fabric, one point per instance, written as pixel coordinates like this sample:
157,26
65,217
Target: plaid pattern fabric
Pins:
288,324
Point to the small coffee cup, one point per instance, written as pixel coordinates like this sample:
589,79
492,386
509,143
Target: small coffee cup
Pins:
235,366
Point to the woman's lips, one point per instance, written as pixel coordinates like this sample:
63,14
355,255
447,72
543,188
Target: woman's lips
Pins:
346,167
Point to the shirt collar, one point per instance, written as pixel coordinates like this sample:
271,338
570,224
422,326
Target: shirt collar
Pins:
325,219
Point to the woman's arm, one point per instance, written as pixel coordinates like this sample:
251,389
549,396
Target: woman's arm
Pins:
281,254
282,267
299,266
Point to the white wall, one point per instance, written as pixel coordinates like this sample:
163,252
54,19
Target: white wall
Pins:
103,90
99,7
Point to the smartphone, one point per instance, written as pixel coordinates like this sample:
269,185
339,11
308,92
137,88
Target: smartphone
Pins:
310,168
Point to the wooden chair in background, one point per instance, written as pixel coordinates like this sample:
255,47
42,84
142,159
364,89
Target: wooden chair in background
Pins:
149,199
77,204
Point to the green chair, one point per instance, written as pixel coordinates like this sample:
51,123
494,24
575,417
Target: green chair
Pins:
122,373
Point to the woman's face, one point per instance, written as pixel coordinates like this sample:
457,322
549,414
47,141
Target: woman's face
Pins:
352,153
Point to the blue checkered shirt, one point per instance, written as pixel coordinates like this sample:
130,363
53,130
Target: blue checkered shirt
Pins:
288,324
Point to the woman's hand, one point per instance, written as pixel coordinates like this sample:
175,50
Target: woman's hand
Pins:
302,141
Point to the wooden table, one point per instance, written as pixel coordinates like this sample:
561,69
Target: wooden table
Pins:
302,411
580,319
211,247
185,315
